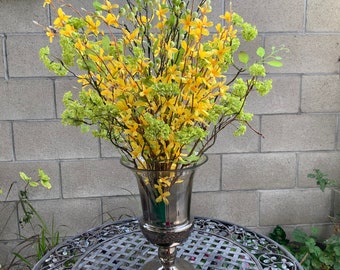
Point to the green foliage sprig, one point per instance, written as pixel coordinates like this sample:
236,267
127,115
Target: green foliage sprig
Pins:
46,238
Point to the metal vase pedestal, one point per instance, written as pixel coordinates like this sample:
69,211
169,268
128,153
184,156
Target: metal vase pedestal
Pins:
166,221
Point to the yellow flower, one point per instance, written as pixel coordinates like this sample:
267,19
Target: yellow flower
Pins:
136,152
162,195
164,182
50,33
170,50
186,23
62,18
111,19
130,37
79,45
47,2
204,54
227,16
108,6
67,31
161,12
201,25
93,25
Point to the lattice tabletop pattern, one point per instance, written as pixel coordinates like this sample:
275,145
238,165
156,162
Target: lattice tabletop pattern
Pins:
212,245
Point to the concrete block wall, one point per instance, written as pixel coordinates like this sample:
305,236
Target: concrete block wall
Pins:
253,181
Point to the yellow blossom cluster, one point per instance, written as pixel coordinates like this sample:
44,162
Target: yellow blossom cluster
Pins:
153,75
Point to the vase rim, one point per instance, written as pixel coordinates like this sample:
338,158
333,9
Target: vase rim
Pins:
128,164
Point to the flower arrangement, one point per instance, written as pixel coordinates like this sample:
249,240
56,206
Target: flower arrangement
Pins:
153,75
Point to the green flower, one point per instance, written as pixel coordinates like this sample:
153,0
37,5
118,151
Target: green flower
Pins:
249,32
257,70
263,87
187,135
156,129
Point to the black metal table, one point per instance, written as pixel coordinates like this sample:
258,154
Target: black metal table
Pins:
213,244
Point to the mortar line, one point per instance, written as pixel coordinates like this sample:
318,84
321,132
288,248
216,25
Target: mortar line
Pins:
221,171
5,60
61,195
55,98
300,95
12,140
305,18
337,127
297,163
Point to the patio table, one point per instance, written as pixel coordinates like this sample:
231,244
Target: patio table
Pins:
213,244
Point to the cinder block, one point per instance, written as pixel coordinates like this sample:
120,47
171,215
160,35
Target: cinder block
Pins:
226,142
283,98
320,93
25,62
236,207
208,176
6,249
69,217
11,183
294,207
303,50
327,162
9,228
83,4
11,10
108,149
258,171
51,140
298,132
120,207
26,99
217,11
6,146
323,18
92,178
271,16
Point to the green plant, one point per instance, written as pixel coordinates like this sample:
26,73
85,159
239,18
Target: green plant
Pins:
313,253
42,239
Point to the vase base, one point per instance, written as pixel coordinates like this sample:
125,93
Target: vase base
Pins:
179,265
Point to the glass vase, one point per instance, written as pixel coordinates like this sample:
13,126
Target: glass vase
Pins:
166,221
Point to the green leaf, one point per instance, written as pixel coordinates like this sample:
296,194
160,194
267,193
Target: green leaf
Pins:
33,184
84,128
243,57
299,236
275,63
23,259
261,52
97,5
311,175
44,179
315,231
337,251
106,43
24,177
